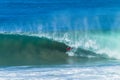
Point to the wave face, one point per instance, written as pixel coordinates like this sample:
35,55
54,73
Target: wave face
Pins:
38,32
21,49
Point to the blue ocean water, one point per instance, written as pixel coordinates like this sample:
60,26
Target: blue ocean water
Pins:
35,36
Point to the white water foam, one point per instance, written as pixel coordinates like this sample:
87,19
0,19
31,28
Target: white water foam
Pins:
57,73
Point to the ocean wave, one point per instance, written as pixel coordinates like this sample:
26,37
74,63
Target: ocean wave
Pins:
31,49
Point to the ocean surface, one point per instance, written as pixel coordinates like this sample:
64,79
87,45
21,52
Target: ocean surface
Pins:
59,40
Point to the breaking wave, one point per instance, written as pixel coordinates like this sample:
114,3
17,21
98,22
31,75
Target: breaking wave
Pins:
32,49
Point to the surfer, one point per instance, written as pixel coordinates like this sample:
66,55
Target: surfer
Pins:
68,48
